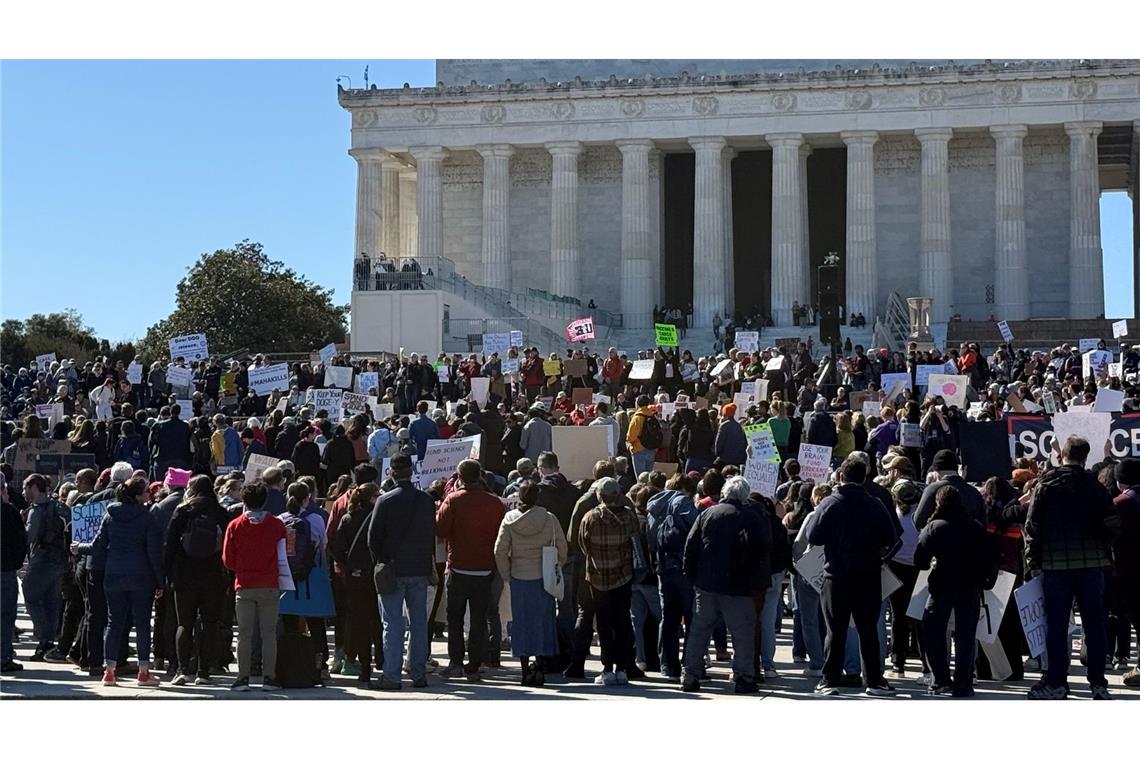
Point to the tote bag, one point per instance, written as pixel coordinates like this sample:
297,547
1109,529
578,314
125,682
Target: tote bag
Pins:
312,597
552,582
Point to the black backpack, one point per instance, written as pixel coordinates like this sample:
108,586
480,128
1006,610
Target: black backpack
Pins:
650,436
202,537
54,537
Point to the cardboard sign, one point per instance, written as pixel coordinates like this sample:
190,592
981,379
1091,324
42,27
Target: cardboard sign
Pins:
509,366
910,435
1030,600
179,377
666,335
747,341
551,367
327,353
263,380
952,388
85,521
327,400
642,370
257,464
810,567
496,343
580,330
994,602
382,411
1120,328
579,447
723,366
774,364
762,476
600,397
480,389
871,408
742,400
134,373
189,347
338,377
574,368
442,457
582,396
1093,427
669,468
354,403
1006,333
815,462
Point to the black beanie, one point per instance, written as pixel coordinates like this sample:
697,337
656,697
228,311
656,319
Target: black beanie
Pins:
1127,472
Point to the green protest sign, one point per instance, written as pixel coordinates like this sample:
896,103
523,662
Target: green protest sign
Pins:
666,334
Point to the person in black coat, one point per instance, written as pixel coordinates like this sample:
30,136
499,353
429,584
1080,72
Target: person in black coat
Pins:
339,457
306,455
362,611
250,445
13,551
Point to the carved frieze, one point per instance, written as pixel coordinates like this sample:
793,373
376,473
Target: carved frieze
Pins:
931,97
858,100
493,113
705,105
784,101
1008,92
425,115
1082,89
632,107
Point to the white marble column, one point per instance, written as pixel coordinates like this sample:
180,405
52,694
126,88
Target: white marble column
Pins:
936,275
496,215
861,256
429,201
390,205
564,279
708,230
1086,275
369,220
789,253
1011,260
636,271
729,248
805,231
408,212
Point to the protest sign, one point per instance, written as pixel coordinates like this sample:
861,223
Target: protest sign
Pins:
574,368
815,462
856,398
338,377
443,373
496,343
480,389
742,400
85,521
665,335
354,403
747,341
1120,328
386,469
601,397
28,449
762,476
642,370
669,468
871,408
134,373
580,330
366,381
1030,600
952,389
283,404
1116,369
189,347
262,380
938,332
667,410
442,457
1108,400
43,411
985,450
1006,333
922,373
994,602
910,435
1049,401
1092,426
325,399
950,368
776,363
810,567
762,443
43,362
582,396
179,377
748,388
185,409
381,411
889,583
551,367
516,338
510,365
327,353
888,380
60,468
1087,344
1032,436
723,366
257,464
547,402
1095,363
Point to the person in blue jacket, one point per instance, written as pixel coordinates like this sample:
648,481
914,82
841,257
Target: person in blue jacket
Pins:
422,429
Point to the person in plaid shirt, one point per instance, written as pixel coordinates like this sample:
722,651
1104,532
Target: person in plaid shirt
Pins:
605,537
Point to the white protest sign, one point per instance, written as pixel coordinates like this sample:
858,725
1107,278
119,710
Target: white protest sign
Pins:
761,392
443,372
327,400
1108,400
338,377
442,457
510,365
366,381
1049,401
910,435
85,521
994,602
516,338
257,464
742,400
871,408
578,448
189,347
773,364
1095,363
354,403
762,476
496,343
386,469
1120,328
601,398
382,411
747,341
1030,599
889,379
480,389
1006,333
724,365
1116,369
1091,426
134,373
666,410
815,462
810,567
642,370
185,409
283,404
950,368
43,411
952,388
263,380
179,377
922,373
327,353
1088,344
748,387
43,361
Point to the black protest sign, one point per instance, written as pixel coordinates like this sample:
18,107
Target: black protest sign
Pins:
1032,435
985,450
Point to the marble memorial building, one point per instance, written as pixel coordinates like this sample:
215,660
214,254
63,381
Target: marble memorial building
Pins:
724,184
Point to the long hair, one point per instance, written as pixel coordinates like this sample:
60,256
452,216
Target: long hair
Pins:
199,491
131,490
363,498
297,494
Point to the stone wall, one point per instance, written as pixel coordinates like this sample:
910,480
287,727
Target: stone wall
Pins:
1046,153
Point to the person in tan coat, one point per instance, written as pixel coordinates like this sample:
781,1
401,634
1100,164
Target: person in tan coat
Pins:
518,554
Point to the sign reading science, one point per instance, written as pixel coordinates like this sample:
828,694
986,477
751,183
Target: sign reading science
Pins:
1033,436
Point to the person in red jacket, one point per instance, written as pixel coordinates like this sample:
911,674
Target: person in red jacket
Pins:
533,377
250,552
468,519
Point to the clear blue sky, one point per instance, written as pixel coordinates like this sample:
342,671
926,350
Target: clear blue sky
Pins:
125,171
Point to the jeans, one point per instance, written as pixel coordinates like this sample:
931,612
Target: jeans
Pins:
811,621
1060,587
412,590
645,602
192,606
128,607
676,593
463,591
844,599
494,620
256,610
615,625
9,594
43,600
643,461
739,613
769,616
965,605
851,662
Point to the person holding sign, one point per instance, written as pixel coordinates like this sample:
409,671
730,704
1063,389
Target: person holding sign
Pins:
965,564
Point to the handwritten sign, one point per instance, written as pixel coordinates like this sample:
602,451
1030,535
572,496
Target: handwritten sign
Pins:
496,343
922,373
762,476
889,379
762,442
134,373
815,462
910,435
366,381
871,408
580,330
338,377
747,341
1087,344
1006,333
185,409
43,361
480,389
327,400
516,338
257,464
952,389
642,370
179,377
1030,600
264,380
354,403
327,353
810,567
189,347
742,400
666,335
85,521
1120,328
510,365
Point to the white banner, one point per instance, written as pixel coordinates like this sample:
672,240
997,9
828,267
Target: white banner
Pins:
263,380
190,347
179,377
338,377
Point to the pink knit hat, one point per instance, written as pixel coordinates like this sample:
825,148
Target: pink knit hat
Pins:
176,478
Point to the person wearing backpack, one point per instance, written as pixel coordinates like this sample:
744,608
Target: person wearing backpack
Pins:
965,564
47,562
359,604
670,515
307,553
192,562
644,435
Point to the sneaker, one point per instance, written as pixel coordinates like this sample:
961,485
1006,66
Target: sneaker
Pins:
826,689
109,678
452,671
1132,677
1120,664
799,659
634,673
1033,664
351,669
38,655
883,689
270,684
926,679
809,671
1042,690
203,681
722,655
622,678
420,683
386,685
55,656
745,686
241,684
148,679
337,662
771,673
939,690
1100,692
690,684
606,678
10,666
474,677
179,679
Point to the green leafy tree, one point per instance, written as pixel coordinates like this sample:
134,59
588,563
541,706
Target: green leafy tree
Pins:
241,299
63,333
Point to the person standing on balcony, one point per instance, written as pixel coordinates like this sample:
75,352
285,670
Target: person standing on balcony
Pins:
363,270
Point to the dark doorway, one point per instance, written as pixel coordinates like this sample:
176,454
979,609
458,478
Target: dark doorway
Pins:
677,213
827,213
752,231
